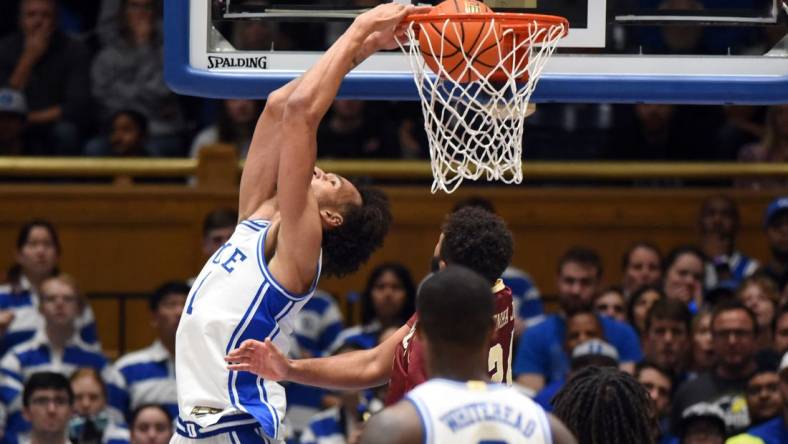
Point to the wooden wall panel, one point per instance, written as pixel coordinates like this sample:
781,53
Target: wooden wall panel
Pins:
128,240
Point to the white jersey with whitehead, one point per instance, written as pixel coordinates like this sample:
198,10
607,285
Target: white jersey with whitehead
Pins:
478,412
234,298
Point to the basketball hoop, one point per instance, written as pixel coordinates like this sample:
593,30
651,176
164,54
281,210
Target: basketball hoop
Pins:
474,108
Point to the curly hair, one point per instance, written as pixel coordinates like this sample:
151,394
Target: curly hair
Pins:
604,405
477,239
351,244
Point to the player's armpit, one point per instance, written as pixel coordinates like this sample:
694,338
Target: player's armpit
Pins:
561,434
398,424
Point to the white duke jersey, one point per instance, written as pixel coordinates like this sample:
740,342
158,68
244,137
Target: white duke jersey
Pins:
478,412
234,298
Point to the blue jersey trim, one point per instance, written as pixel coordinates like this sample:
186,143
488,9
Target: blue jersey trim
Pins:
234,338
225,424
196,291
423,413
250,226
261,262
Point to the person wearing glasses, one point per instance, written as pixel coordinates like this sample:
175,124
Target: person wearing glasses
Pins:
48,404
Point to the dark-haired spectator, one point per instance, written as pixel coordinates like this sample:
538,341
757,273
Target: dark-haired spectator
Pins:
541,357
217,227
603,405
702,343
773,431
128,74
56,346
734,328
13,117
718,223
776,223
36,257
641,265
658,382
772,148
611,303
50,68
388,300
684,276
150,424
127,137
48,403
235,125
759,294
763,388
702,423
352,130
92,423
667,338
148,376
781,330
640,302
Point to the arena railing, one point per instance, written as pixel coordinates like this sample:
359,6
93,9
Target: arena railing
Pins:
218,167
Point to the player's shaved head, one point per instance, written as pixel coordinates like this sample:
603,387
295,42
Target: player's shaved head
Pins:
456,307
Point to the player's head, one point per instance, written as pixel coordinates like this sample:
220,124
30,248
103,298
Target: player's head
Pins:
355,221
455,308
478,239
605,405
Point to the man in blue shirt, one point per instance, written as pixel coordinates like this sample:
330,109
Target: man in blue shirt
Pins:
540,357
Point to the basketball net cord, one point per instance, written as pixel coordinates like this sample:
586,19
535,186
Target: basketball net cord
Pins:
475,128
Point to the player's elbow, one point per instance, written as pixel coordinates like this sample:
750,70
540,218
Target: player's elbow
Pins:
300,108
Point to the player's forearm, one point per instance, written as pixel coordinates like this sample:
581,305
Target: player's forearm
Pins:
320,84
347,371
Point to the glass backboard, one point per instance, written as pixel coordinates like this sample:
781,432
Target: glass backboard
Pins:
617,51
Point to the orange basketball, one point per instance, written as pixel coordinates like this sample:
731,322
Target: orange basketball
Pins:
446,45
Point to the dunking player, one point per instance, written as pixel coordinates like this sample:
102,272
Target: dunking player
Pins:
456,405
254,284
471,237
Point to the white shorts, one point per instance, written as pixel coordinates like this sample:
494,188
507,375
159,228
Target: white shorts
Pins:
229,430
225,438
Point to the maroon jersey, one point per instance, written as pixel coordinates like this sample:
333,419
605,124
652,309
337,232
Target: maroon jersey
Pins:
409,369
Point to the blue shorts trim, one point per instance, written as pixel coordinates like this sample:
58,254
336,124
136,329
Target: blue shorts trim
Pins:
242,424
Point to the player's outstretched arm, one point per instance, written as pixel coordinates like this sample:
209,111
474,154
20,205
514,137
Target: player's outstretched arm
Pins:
354,370
398,424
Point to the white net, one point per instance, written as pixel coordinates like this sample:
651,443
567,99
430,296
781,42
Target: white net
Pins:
475,128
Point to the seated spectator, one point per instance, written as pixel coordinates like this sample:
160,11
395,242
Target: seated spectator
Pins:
640,303
217,227
593,352
719,224
150,424
763,388
92,422
388,300
776,222
50,68
774,431
684,276
235,125
702,344
667,338
540,357
317,326
773,148
341,423
702,423
610,302
128,74
744,125
36,259
351,131
642,266
128,136
781,331
759,294
13,118
148,376
605,405
48,403
658,382
734,328
56,347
